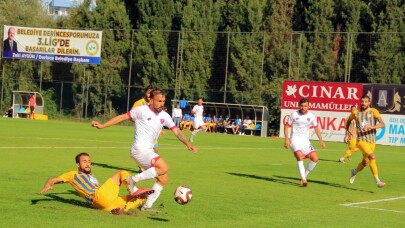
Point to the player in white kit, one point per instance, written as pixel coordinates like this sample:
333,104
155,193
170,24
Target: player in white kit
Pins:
198,124
300,123
149,121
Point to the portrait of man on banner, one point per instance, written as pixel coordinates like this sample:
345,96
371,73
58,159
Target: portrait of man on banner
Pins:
9,44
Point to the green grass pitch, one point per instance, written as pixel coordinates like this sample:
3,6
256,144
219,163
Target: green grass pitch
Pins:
237,181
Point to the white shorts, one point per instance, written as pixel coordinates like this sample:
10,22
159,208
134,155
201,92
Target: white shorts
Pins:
198,123
145,158
302,145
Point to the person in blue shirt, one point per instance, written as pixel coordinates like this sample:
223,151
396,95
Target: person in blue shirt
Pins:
187,121
236,125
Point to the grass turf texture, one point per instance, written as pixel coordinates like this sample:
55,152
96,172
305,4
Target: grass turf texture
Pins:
237,181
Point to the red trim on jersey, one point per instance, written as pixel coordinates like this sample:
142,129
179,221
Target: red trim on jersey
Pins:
287,124
129,115
153,161
172,128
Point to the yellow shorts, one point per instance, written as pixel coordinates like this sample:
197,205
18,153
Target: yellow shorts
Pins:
353,144
366,147
106,198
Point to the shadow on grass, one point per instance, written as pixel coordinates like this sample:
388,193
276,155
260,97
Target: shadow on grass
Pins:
56,197
328,160
114,167
295,181
279,180
326,183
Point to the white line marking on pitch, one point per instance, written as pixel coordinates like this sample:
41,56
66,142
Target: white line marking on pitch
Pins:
374,201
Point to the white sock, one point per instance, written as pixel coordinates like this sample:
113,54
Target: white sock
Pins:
311,165
154,196
145,175
301,169
377,180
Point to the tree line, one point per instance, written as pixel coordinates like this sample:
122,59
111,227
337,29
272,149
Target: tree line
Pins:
236,51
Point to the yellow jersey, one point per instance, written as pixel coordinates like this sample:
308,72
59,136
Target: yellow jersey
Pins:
84,184
362,118
140,102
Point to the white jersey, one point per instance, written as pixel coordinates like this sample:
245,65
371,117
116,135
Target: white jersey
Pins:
148,126
301,124
198,111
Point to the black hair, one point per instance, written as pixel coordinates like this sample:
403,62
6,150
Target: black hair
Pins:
149,87
365,96
304,100
77,158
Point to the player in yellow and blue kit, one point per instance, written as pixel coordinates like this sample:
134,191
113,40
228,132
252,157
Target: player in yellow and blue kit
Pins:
105,196
368,120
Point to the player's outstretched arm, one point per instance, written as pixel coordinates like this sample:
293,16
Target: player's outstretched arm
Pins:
49,184
112,121
179,134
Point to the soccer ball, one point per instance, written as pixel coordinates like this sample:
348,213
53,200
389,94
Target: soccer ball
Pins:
182,195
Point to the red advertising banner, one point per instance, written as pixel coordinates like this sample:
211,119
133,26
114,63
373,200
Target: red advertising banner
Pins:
323,96
330,102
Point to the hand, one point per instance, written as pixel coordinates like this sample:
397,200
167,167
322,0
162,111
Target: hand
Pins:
346,139
96,124
46,188
367,127
287,143
323,145
192,148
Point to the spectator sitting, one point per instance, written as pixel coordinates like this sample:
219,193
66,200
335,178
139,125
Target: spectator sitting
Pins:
236,125
214,124
208,120
226,123
246,123
187,122
8,112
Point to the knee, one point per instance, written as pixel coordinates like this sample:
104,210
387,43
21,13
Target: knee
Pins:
164,179
364,163
371,157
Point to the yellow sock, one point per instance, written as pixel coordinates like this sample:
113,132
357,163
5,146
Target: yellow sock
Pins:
373,167
347,153
133,204
123,176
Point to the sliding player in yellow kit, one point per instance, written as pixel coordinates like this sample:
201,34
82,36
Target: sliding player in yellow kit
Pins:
105,196
368,120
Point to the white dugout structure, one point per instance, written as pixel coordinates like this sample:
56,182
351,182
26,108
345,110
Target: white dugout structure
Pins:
21,103
258,114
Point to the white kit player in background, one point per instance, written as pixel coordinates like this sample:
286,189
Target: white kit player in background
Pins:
149,121
301,121
198,124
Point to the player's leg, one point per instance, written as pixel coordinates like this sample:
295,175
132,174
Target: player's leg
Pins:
146,159
369,150
313,156
161,168
198,125
361,145
300,166
347,154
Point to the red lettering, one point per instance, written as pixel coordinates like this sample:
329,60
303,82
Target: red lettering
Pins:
342,124
331,124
